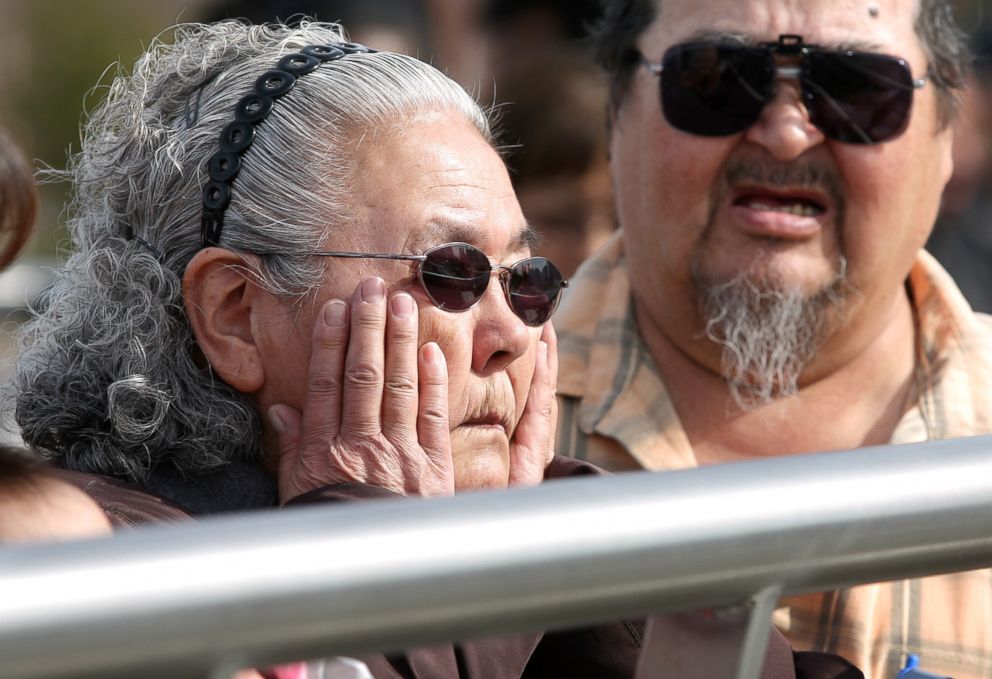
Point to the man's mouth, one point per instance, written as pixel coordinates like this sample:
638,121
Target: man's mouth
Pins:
799,207
780,213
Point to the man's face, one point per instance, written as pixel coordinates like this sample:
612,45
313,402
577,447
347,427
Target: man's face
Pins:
433,181
777,204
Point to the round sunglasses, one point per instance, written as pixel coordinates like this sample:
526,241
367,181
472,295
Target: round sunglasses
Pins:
714,89
456,275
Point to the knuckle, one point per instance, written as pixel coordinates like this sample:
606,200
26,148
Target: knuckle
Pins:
331,338
324,384
434,412
401,385
369,317
363,375
406,333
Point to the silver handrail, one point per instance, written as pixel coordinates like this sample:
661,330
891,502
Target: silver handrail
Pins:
251,590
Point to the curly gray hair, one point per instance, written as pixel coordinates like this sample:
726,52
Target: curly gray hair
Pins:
109,379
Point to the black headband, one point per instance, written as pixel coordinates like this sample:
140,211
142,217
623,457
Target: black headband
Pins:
252,109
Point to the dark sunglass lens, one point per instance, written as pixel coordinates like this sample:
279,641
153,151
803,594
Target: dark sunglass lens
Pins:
455,275
534,288
858,97
715,90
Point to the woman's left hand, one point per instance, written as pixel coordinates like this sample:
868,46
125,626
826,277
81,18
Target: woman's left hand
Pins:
533,444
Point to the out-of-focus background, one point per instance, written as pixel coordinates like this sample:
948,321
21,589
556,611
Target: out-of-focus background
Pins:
528,57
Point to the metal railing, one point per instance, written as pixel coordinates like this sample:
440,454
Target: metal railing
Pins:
184,600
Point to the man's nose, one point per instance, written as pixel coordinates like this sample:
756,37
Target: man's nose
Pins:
784,128
499,337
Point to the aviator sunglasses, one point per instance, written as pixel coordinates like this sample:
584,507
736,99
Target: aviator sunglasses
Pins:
715,89
456,275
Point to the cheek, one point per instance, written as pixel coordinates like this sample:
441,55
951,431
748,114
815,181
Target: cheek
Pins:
286,338
664,184
892,200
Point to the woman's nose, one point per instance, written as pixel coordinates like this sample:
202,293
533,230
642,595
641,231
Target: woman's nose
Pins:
499,336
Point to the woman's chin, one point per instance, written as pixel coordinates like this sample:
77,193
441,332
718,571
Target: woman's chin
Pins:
481,459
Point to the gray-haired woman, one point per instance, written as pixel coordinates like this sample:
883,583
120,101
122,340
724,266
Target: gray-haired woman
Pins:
281,290
281,282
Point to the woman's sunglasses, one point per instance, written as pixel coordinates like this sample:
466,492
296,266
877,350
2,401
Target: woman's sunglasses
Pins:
456,275
715,89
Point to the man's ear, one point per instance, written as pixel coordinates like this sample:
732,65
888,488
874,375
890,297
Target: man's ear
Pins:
218,299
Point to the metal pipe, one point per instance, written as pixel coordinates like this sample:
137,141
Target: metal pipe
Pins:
316,582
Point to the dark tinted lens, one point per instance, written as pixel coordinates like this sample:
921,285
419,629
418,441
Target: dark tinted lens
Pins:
715,90
455,275
858,98
533,287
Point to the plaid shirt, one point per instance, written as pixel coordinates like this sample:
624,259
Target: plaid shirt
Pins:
616,413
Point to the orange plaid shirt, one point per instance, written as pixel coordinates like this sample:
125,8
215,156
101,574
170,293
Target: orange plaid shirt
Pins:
616,413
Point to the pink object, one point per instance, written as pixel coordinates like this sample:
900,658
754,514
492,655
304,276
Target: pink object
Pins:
293,671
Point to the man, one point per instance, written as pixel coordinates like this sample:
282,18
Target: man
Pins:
767,294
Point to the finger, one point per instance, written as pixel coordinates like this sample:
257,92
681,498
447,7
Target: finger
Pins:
529,447
325,375
288,425
399,395
433,431
364,363
549,336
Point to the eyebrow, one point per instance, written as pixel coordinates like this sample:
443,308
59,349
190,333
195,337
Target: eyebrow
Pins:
745,39
447,231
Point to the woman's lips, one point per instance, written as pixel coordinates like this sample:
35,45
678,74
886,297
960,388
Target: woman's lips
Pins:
491,421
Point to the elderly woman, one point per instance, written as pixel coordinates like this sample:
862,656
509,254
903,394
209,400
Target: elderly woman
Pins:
298,266
300,274
206,312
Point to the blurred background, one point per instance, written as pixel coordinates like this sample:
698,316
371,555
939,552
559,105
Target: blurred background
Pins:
527,57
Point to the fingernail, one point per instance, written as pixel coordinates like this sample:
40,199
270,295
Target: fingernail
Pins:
335,313
432,353
275,420
402,306
373,290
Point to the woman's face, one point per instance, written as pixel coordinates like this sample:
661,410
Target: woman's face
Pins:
432,180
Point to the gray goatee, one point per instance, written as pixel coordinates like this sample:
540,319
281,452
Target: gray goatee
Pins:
769,331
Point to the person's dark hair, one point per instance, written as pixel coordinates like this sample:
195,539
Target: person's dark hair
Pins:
572,17
551,126
20,473
18,200
615,38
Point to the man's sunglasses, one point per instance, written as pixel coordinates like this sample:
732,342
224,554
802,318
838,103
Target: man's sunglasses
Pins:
715,89
456,275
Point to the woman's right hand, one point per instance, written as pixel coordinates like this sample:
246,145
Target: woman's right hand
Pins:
376,405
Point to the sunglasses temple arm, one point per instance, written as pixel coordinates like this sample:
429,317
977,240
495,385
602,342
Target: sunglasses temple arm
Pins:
841,112
365,255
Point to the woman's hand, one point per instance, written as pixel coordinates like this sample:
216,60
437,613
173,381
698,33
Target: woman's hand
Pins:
376,408
533,443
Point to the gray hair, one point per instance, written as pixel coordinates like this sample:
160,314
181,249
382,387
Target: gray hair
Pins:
109,379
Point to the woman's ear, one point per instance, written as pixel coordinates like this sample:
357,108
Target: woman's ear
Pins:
218,299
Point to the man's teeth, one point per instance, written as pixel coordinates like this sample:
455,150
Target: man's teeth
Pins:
797,209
